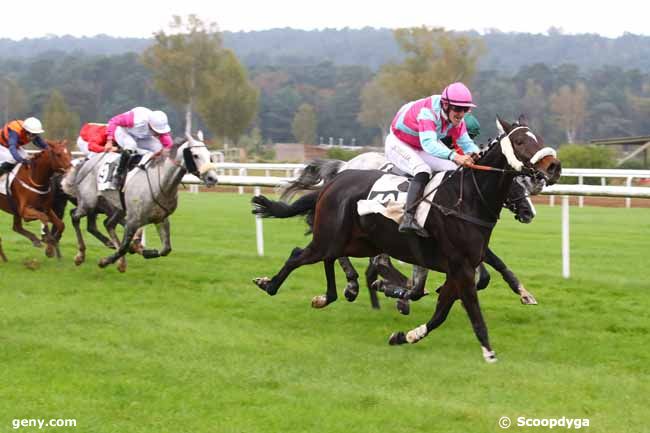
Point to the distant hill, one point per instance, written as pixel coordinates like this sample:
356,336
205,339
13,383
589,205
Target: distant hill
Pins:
506,52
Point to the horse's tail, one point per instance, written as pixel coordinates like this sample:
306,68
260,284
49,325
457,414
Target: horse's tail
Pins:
68,183
266,208
316,171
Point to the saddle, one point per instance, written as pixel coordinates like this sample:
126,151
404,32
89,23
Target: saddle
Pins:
388,197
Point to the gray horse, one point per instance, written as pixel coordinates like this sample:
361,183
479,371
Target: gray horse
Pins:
150,195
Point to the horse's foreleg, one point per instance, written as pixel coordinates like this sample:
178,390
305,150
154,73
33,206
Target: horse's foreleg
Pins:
136,245
297,258
447,297
510,278
165,238
129,232
371,278
331,295
469,297
352,289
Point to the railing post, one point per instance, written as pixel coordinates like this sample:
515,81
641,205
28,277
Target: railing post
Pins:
581,199
259,234
242,172
566,271
628,200
551,200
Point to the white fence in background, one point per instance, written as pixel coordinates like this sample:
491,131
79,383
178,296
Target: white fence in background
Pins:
227,177
564,190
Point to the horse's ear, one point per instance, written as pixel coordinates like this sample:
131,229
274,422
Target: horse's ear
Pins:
199,135
523,120
502,126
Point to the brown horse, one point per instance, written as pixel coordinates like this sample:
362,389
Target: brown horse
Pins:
464,212
30,195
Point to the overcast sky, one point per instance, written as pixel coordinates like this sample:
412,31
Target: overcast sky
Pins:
140,18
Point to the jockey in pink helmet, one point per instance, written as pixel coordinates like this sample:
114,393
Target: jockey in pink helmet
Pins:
430,135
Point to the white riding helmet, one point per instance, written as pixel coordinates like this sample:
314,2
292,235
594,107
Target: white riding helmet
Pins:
158,122
33,125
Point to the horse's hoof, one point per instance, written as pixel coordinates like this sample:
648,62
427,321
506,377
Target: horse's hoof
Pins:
489,355
49,251
397,338
103,263
416,334
526,297
403,306
37,243
79,259
121,267
319,301
351,292
262,282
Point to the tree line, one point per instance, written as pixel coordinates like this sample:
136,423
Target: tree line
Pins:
189,73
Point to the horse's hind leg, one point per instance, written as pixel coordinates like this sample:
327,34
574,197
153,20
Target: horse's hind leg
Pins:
18,228
163,233
91,227
352,289
483,277
371,279
57,231
322,301
493,260
297,258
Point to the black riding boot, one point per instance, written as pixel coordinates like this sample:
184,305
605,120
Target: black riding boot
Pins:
120,172
409,224
6,167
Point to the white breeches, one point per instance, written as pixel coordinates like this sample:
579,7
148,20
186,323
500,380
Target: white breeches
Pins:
414,161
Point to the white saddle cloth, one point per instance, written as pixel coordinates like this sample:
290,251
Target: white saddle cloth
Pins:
3,179
388,198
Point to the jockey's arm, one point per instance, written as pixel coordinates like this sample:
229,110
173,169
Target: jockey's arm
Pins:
125,120
13,146
166,140
467,144
39,142
430,144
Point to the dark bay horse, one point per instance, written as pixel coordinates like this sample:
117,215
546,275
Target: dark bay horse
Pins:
30,196
318,172
459,230
395,284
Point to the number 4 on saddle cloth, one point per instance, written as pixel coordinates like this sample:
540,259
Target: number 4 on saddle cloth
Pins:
388,197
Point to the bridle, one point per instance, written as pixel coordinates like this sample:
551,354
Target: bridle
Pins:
518,168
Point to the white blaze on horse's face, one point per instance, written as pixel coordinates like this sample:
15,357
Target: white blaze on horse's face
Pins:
506,148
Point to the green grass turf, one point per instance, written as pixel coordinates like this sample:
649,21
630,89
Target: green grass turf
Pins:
187,343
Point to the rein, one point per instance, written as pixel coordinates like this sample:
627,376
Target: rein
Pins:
162,192
456,212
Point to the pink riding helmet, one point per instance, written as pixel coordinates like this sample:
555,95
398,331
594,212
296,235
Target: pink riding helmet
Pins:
457,94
